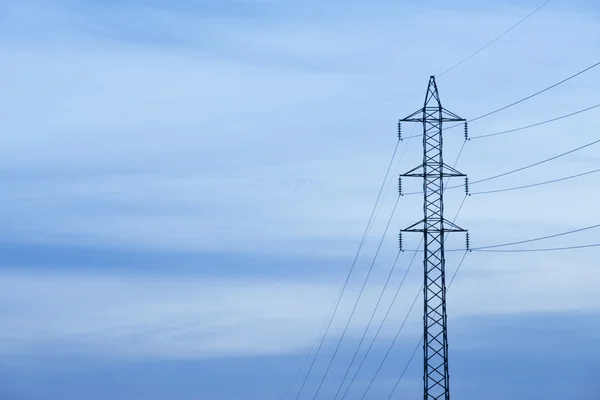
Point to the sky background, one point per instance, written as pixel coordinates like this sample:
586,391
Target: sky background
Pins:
185,184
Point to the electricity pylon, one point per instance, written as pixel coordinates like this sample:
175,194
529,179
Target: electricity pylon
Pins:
434,227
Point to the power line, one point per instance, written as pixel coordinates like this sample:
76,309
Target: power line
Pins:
541,250
353,379
335,308
493,40
537,184
534,164
368,274
378,300
369,325
406,367
530,96
370,322
373,216
536,93
395,173
534,125
355,303
462,148
392,345
457,269
306,358
587,228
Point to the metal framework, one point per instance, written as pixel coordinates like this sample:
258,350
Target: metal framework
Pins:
434,227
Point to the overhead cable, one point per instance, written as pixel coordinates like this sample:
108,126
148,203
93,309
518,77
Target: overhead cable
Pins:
355,303
289,388
364,284
537,163
532,95
344,286
494,40
534,125
375,309
536,184
385,317
538,238
584,246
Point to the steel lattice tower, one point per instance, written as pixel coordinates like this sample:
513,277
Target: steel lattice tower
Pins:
434,227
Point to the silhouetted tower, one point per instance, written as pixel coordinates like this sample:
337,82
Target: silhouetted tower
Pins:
434,227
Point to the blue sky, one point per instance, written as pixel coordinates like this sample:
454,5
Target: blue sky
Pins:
185,184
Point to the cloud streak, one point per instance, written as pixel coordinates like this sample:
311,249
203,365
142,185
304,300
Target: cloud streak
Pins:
190,131
135,316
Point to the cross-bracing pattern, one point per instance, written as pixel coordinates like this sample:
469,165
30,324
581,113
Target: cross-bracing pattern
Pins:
434,226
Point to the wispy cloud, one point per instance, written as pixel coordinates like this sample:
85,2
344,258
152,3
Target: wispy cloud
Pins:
154,128
121,315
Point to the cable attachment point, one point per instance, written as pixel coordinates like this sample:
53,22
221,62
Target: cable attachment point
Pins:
400,186
466,132
467,186
400,242
399,130
468,242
